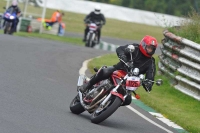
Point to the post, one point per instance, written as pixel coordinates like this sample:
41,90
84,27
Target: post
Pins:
25,8
7,4
43,15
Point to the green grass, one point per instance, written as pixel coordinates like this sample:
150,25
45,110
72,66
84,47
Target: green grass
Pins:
190,28
65,39
72,40
174,105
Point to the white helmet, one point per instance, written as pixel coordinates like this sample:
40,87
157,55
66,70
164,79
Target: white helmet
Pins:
97,9
14,3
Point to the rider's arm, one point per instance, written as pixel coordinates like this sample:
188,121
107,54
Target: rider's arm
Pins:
18,11
121,52
150,73
87,17
103,19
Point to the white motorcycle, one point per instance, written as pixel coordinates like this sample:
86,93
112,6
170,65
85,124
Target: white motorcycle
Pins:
92,35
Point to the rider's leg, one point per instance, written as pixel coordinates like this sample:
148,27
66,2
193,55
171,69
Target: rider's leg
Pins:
99,35
16,23
4,22
103,73
85,33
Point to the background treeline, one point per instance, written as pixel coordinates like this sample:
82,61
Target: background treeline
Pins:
172,7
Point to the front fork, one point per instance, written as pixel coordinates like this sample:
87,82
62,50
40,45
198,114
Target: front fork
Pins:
114,92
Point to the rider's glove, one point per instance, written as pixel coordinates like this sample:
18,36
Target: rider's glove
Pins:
147,85
123,57
129,65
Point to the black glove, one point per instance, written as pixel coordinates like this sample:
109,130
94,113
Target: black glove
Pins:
147,85
130,64
123,57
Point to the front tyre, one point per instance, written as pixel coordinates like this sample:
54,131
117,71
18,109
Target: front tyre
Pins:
75,106
7,28
100,114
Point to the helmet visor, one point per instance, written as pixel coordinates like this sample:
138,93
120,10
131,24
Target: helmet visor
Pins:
150,49
96,11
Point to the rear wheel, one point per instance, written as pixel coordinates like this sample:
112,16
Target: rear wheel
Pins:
102,113
75,106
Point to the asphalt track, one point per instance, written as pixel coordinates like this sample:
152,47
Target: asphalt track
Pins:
37,83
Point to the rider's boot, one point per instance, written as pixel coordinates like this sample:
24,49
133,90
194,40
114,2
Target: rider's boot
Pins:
89,85
102,74
84,38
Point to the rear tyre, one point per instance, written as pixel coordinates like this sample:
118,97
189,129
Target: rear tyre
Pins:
75,106
112,106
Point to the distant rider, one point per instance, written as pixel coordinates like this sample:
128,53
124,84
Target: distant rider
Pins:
18,13
94,16
55,18
142,59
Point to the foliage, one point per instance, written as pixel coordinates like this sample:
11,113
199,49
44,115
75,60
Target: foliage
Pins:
172,7
189,28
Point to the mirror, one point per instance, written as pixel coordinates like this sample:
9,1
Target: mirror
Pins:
131,48
159,82
136,71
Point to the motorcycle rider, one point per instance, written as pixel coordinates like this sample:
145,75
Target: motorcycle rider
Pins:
17,10
55,18
94,16
142,59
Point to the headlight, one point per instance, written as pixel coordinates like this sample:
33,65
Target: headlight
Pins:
12,17
141,76
136,71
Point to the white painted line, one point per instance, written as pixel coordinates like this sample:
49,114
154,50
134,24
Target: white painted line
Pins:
165,120
149,120
84,67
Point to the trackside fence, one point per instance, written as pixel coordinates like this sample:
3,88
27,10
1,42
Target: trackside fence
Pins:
180,59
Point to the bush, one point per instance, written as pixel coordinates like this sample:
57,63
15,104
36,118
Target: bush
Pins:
189,28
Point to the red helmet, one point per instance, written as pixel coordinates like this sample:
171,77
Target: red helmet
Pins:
148,41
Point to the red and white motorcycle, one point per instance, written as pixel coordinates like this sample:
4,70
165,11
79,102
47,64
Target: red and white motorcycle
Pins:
104,98
92,35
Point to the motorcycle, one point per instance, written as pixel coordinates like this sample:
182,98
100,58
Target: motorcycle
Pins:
9,17
105,97
92,35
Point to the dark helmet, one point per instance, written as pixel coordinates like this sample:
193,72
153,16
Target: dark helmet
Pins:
148,41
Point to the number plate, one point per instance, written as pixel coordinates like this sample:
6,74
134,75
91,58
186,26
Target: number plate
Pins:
132,83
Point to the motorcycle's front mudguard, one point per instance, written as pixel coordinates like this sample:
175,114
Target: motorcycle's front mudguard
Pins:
126,101
113,104
90,39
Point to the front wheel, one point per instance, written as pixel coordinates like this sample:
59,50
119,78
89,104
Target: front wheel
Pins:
7,28
75,106
89,40
102,113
